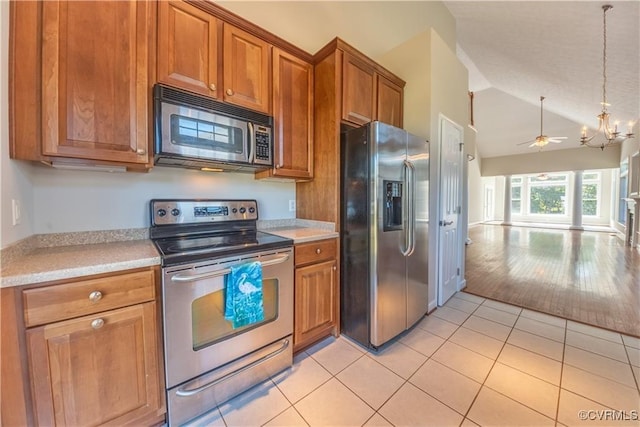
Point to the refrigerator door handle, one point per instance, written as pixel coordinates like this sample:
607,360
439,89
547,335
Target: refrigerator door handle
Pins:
410,229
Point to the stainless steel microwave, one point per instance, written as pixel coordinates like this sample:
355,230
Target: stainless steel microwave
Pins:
197,132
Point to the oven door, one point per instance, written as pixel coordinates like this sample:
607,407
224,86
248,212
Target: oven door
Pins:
189,132
198,339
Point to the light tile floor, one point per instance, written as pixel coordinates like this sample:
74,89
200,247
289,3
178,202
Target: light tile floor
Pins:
472,362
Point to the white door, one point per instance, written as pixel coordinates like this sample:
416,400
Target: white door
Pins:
451,144
488,203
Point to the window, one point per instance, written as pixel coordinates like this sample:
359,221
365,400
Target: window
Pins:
622,204
516,195
548,196
590,193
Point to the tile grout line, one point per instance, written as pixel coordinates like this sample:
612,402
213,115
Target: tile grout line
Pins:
564,349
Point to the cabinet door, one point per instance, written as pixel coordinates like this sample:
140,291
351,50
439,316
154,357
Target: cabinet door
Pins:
95,82
293,116
97,369
188,47
389,108
247,70
315,302
358,91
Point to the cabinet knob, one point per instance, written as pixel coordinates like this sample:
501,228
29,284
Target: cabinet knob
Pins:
97,323
318,251
335,268
141,151
229,92
278,166
212,87
95,296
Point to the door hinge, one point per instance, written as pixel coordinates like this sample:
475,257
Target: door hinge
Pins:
461,145
458,271
459,210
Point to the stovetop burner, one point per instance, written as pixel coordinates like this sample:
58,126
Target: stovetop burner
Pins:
196,230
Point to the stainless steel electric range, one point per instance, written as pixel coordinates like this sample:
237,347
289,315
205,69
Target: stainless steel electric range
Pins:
207,359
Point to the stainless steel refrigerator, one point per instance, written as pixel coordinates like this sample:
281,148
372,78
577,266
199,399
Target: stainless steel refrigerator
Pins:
384,232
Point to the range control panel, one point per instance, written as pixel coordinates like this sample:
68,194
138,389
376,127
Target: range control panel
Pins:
166,212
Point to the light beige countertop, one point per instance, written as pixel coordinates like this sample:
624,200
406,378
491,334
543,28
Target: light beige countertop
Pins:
48,257
300,230
300,234
65,262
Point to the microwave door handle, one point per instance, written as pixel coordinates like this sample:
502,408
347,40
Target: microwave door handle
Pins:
252,141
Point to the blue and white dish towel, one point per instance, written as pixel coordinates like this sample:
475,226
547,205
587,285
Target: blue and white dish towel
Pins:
243,303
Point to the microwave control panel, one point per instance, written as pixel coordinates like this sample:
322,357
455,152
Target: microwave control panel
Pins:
263,145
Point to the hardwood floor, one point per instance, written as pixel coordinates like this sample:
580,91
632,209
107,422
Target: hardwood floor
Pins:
589,277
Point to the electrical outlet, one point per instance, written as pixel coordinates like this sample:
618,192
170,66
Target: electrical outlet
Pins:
292,205
15,211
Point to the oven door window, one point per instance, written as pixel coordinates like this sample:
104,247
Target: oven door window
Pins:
207,315
192,132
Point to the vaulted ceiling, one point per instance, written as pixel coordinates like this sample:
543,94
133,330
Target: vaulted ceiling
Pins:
517,51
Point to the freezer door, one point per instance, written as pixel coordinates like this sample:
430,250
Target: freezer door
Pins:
388,241
418,260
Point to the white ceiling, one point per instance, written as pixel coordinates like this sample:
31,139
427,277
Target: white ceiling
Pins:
518,51
515,51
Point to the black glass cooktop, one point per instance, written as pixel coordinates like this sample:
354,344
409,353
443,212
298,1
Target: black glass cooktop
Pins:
177,250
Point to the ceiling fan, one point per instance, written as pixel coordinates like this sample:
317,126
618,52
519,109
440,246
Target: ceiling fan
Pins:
542,139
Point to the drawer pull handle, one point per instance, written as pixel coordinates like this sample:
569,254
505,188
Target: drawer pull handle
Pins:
318,251
97,323
95,296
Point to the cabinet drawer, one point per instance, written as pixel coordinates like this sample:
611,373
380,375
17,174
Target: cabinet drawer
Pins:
65,301
312,252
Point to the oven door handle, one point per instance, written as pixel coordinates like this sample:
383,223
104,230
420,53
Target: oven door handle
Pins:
193,277
186,392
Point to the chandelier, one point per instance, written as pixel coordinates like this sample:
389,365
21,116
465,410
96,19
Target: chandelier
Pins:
611,134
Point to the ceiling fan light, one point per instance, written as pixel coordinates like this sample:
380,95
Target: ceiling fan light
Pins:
542,140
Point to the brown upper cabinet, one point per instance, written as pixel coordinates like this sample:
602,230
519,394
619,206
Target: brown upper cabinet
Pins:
293,118
80,81
188,47
367,95
247,70
203,54
358,90
389,102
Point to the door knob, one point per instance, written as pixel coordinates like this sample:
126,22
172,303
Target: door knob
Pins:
141,151
212,87
445,223
229,92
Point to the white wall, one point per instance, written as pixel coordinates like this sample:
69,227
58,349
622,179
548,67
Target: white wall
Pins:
83,201
476,191
582,158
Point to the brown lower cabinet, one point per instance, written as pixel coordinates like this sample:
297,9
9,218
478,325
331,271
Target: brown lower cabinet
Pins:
316,310
96,359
